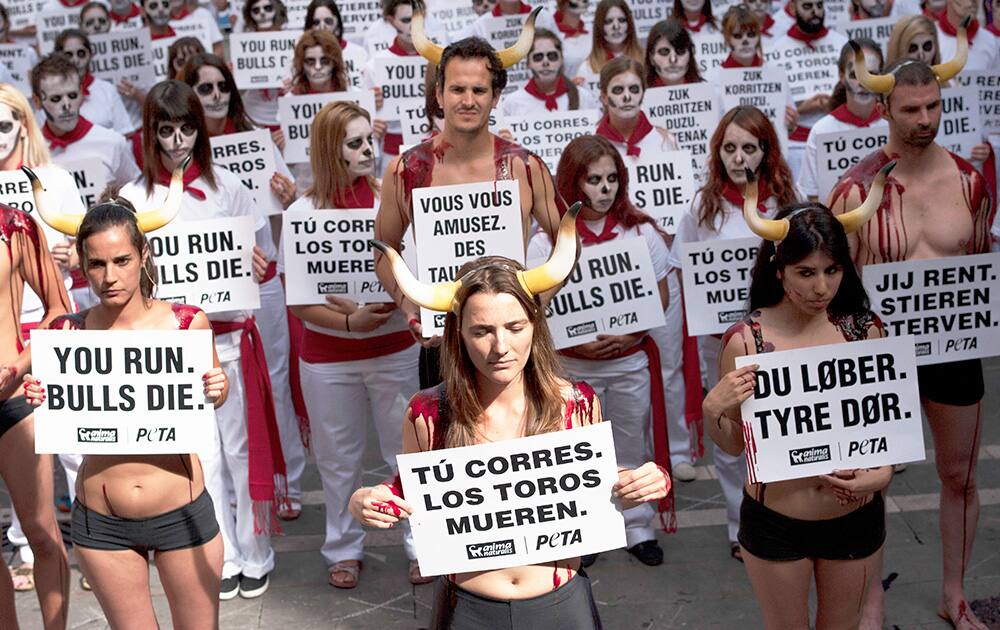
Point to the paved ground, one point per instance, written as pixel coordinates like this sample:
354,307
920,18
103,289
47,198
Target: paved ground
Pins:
698,586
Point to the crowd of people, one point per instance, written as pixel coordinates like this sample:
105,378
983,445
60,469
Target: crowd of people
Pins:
290,380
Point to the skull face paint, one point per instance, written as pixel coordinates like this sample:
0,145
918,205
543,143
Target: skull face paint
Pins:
760,8
325,20
922,47
577,7
670,65
600,184
262,13
744,45
61,99
483,6
400,20
176,139
809,15
624,96
10,131
213,91
357,149
317,66
854,89
157,12
615,27
544,61
874,8
95,20
740,150
77,52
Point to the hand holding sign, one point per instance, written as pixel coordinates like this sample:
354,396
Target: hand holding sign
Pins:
636,486
377,506
851,486
729,393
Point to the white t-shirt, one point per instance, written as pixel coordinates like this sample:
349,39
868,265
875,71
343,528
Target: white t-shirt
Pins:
262,106
520,103
807,170
200,14
591,78
984,53
575,50
106,147
104,107
355,59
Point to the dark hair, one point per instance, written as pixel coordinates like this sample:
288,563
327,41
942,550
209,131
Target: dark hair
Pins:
432,108
334,9
53,64
812,227
237,112
173,101
839,96
910,72
114,212
280,13
474,48
680,40
93,4
176,47
572,93
70,33
677,13
6,18
389,6
620,65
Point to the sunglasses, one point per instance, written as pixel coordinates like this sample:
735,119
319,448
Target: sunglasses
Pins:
539,57
206,89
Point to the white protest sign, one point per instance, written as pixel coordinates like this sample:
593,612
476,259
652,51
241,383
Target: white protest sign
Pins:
22,13
838,151
91,178
765,88
454,16
809,70
207,263
960,128
716,278
876,29
611,291
691,113
662,186
988,85
836,407
546,135
51,22
123,392
501,32
401,79
413,120
196,24
645,14
711,49
18,62
262,60
837,13
514,502
327,253
251,156
126,54
453,225
296,113
358,16
15,191
950,305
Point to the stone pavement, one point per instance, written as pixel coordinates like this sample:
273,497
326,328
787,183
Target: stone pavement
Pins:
698,586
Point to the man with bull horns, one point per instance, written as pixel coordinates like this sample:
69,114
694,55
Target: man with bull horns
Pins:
936,206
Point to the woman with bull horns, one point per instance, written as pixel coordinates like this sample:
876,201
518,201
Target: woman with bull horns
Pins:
501,381
804,291
130,505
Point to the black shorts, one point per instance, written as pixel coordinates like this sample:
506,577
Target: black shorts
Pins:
959,383
770,535
190,525
12,411
568,608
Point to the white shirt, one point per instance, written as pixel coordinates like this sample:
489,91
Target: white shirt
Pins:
728,224
575,50
656,141
262,106
807,171
520,103
104,107
355,60
200,14
984,53
108,148
591,78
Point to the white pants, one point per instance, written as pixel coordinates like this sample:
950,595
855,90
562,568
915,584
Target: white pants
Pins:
15,534
730,469
227,463
339,397
670,342
623,387
272,321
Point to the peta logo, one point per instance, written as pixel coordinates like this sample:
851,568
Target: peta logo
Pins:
731,317
325,288
809,455
84,434
584,328
490,550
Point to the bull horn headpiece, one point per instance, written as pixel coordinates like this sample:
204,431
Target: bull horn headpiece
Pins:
777,229
432,52
148,221
441,297
883,83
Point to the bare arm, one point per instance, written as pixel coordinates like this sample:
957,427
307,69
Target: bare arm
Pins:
390,225
216,383
845,196
721,407
545,201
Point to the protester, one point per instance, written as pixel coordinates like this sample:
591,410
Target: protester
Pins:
124,14
548,89
102,105
576,39
869,9
670,58
761,9
695,15
325,16
624,123
614,36
913,37
95,18
156,16
262,16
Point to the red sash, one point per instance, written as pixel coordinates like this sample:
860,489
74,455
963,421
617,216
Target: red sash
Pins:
522,8
192,173
320,348
133,11
730,62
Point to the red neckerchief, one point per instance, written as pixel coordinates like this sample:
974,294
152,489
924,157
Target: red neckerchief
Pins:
522,8
642,129
796,33
550,99
765,28
133,11
228,127
733,195
789,9
945,25
569,31
343,44
696,27
85,83
587,237
845,115
398,50
359,195
72,4
169,33
192,173
61,142
183,13
730,62
993,29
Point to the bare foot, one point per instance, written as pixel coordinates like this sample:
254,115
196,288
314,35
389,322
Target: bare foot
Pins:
960,615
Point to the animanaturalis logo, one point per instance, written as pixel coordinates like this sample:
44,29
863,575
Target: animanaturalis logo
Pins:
583,328
326,288
84,434
490,549
809,455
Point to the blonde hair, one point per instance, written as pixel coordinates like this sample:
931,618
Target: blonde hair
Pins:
34,150
326,138
903,33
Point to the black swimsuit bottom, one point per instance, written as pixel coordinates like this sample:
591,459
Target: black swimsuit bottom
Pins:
12,411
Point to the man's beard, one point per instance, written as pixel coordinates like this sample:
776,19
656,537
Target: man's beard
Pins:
811,26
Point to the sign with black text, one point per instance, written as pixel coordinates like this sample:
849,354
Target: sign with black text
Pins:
988,85
161,48
15,191
765,88
123,392
250,155
400,79
876,29
960,128
207,263
611,291
18,63
711,49
22,13
810,70
716,278
951,306
296,113
662,186
690,112
91,179
125,54
327,252
514,502
262,60
835,407
546,135
838,151
645,14
502,32
55,19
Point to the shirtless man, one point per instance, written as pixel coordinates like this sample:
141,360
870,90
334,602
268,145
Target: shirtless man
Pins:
935,206
471,78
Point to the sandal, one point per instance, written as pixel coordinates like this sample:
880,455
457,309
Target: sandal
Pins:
290,511
345,573
84,584
735,551
23,577
416,578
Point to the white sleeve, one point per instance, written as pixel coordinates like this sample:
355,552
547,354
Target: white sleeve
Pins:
539,248
119,114
125,168
807,171
658,251
687,232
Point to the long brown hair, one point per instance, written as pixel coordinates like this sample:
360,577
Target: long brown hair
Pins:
175,101
599,51
572,92
331,48
326,138
773,169
680,40
677,12
543,394
237,111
